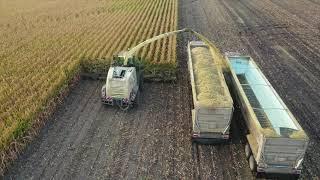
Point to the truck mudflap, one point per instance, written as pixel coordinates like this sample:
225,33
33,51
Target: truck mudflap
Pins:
209,138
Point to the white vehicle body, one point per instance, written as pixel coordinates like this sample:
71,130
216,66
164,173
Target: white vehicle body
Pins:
121,86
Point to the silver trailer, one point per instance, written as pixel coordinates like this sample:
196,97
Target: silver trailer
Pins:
276,141
213,105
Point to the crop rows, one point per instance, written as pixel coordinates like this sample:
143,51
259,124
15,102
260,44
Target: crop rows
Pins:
41,47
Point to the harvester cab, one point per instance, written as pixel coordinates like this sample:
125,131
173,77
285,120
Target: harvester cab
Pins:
123,82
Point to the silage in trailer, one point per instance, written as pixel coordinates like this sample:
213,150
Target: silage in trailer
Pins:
210,88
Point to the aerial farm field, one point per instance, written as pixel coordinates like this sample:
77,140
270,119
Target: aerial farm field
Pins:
41,47
43,42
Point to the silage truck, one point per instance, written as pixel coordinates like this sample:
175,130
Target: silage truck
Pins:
212,103
276,143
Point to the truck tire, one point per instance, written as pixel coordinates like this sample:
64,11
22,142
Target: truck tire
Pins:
247,150
137,99
252,164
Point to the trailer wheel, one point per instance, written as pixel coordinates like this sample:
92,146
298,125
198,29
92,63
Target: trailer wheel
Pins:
252,164
247,150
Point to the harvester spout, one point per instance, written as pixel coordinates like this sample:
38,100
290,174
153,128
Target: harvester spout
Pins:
133,50
130,53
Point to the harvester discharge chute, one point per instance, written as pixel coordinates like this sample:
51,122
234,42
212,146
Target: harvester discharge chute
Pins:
125,76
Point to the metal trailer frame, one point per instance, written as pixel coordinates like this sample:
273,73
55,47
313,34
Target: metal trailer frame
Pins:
257,141
197,135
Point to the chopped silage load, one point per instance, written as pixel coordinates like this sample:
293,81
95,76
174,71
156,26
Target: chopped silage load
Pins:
209,83
300,134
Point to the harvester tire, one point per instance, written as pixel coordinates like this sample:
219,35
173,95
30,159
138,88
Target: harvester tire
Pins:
252,164
247,150
137,99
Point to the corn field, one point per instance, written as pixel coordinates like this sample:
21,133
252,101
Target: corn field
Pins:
42,42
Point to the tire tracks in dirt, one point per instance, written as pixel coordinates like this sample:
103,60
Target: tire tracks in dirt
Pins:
72,141
87,154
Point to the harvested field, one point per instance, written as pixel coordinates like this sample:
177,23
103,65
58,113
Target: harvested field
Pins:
85,139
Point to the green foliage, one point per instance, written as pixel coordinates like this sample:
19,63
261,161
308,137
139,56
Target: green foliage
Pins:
152,71
100,65
21,128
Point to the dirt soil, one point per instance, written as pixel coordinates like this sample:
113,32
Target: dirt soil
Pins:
85,139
